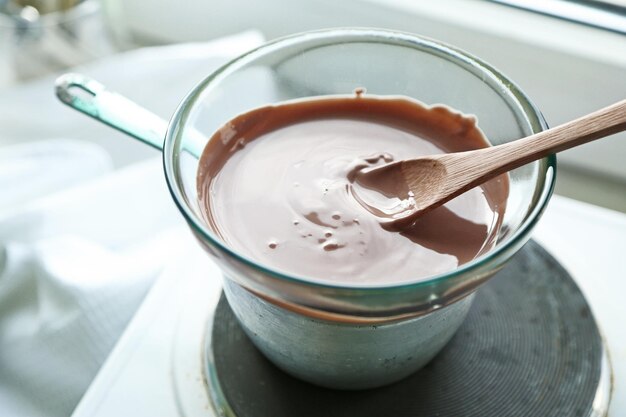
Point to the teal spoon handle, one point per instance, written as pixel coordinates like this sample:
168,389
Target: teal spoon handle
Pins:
93,99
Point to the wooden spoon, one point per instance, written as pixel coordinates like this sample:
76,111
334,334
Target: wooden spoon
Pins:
436,179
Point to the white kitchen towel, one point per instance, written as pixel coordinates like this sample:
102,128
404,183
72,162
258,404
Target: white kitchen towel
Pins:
75,265
29,170
74,268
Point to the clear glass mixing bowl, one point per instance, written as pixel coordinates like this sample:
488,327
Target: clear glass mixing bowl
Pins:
385,63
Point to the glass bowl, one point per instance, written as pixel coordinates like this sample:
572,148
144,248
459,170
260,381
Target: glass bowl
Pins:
361,335
334,62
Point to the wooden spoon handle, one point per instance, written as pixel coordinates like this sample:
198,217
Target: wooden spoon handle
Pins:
502,158
596,125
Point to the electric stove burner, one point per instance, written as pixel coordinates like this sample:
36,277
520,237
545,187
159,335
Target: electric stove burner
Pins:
529,347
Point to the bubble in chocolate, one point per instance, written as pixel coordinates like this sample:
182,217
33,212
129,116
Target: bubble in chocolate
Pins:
373,159
332,246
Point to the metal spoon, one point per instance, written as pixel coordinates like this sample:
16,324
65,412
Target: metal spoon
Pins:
436,179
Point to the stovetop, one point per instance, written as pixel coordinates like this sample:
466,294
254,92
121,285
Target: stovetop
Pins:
157,366
528,347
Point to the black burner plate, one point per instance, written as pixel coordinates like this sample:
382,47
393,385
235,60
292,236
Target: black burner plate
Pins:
529,347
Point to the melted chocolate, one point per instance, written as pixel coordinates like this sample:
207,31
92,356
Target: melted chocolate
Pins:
277,184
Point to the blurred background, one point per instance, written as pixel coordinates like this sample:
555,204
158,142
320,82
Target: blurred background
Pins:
568,56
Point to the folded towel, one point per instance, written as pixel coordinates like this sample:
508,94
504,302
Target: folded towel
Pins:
74,265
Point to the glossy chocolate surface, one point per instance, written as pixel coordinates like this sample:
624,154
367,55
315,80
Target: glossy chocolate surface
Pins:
277,184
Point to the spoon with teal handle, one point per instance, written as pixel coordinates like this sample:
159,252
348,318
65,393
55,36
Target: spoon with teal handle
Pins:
93,99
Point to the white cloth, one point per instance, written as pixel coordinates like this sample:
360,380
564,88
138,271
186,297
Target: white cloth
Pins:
29,170
74,265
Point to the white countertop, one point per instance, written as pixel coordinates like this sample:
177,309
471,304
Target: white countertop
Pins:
139,379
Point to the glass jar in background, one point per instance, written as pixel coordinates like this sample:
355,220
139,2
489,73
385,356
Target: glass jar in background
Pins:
38,37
